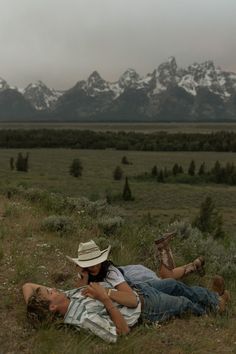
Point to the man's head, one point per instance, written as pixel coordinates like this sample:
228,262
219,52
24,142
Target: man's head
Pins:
44,304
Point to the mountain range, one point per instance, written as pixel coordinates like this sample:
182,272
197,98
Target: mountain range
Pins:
198,93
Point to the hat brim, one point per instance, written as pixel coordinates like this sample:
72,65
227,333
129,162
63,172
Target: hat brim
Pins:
92,262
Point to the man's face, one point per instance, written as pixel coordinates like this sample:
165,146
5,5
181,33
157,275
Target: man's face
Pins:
54,296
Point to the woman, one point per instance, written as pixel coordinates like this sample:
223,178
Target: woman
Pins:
94,267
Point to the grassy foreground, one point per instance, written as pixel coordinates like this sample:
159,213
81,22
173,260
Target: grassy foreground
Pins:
33,246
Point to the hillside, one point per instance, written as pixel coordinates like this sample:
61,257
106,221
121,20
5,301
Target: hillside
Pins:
38,229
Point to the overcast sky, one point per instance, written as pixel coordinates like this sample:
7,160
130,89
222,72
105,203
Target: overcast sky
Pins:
63,41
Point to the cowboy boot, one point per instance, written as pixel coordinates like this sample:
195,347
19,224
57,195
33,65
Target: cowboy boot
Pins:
165,257
165,239
218,286
195,267
163,251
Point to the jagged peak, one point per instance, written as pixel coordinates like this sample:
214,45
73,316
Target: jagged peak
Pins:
130,72
3,84
95,76
170,65
206,65
36,85
128,78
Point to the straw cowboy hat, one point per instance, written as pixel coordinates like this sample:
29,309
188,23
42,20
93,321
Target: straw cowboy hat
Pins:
89,254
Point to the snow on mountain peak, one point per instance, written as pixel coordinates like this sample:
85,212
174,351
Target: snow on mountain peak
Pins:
129,78
40,96
3,85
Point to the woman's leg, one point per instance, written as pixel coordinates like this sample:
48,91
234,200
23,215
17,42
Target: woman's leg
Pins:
167,267
179,272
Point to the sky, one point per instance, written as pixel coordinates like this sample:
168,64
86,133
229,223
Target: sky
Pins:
63,41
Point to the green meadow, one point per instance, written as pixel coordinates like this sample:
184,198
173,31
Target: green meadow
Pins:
49,169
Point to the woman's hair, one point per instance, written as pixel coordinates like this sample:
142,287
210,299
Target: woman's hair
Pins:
38,309
103,272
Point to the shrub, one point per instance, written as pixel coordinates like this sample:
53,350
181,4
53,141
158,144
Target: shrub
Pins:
209,219
110,224
125,161
76,168
58,223
192,243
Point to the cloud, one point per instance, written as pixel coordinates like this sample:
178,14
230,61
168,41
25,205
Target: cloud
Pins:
62,41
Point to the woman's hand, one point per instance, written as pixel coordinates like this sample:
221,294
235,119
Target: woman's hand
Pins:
96,291
83,276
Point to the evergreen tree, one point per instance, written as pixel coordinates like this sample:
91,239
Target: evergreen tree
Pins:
175,169
154,171
12,165
166,173
117,173
76,168
202,169
127,195
160,177
191,169
216,169
181,170
22,162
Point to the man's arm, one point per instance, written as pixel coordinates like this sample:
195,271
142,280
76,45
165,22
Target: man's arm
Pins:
96,291
28,289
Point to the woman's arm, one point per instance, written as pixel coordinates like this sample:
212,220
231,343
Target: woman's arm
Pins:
96,291
124,295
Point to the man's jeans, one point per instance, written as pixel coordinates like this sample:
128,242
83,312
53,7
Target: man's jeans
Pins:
164,299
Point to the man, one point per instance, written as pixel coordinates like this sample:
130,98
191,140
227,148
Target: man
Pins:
95,311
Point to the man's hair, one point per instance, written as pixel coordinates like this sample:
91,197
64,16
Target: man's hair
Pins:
38,311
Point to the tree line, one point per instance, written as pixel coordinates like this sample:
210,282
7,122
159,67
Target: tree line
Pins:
88,139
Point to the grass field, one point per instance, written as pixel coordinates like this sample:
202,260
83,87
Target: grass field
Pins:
29,253
135,127
49,170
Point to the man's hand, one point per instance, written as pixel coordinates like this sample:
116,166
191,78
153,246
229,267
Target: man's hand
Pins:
96,291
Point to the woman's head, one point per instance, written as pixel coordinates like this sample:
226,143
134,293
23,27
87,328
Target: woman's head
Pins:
90,256
99,272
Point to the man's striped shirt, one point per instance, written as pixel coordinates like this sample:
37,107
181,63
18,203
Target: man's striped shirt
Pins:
91,314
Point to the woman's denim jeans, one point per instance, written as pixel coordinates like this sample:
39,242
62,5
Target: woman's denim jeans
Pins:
164,299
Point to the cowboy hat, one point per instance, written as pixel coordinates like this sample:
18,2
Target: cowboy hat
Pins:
89,254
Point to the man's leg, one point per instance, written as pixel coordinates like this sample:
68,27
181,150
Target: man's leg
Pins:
159,306
196,294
